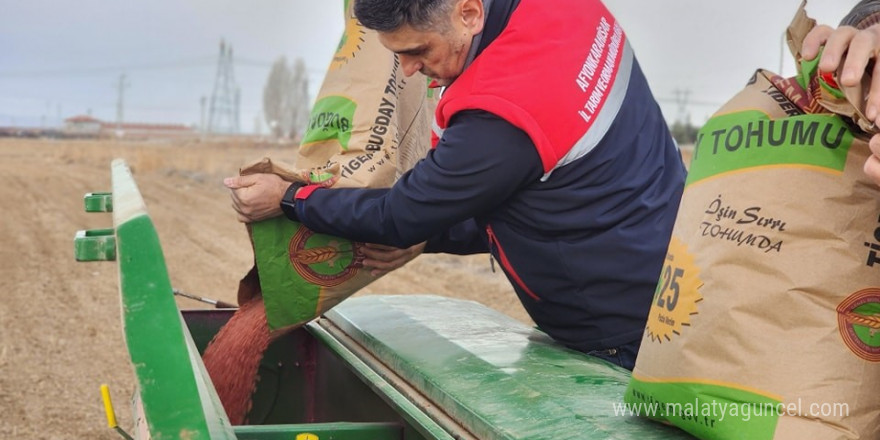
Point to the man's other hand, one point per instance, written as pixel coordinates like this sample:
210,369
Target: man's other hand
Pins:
382,259
855,49
256,197
872,165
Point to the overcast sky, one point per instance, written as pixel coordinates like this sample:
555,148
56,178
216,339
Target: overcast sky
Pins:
62,58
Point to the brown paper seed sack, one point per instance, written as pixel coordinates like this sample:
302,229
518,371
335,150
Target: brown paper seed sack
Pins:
766,318
368,125
368,118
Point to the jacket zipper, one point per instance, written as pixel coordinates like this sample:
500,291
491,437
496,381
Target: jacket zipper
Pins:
502,258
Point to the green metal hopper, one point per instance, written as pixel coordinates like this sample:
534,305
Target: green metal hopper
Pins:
377,367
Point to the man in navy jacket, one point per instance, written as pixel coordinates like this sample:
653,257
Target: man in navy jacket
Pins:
550,153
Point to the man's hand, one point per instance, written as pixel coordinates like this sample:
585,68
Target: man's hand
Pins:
853,48
256,197
872,165
382,259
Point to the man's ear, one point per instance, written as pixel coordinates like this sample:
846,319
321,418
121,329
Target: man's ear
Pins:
471,14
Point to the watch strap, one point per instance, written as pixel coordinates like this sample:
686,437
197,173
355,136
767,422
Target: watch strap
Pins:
288,201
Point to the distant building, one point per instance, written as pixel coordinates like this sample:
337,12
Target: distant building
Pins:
89,127
82,126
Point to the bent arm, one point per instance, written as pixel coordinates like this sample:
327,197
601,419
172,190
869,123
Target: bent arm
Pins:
478,164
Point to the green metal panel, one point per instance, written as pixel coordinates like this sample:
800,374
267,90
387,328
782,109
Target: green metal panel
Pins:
178,399
308,377
411,413
322,431
496,377
282,394
98,202
94,245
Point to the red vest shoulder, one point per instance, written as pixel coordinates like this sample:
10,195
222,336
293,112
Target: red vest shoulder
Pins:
549,73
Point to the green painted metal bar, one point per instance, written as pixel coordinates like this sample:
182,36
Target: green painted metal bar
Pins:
425,425
94,245
498,378
322,431
178,399
98,202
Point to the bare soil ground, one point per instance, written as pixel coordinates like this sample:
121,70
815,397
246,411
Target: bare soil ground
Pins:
60,327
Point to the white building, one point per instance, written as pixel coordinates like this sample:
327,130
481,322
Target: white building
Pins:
87,126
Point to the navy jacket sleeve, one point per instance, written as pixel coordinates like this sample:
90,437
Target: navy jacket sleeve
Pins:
480,161
461,239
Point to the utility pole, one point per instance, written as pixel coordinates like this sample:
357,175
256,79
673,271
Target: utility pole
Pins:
236,109
782,44
120,103
258,125
681,98
45,119
202,127
223,110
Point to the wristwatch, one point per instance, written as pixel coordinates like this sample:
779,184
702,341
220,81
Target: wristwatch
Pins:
288,202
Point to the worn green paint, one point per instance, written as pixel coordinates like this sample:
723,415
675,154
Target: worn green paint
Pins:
322,431
498,378
98,202
307,376
94,245
178,399
392,396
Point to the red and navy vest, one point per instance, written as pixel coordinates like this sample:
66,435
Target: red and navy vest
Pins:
558,73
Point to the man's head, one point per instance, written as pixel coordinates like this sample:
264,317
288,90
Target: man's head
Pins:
429,36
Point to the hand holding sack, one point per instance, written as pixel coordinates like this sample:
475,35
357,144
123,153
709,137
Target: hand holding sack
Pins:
368,125
300,274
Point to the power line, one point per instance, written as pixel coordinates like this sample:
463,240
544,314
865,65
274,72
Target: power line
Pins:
223,113
691,102
120,101
85,71
162,65
681,98
257,63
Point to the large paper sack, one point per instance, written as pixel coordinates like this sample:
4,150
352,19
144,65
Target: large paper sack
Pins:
766,318
369,124
368,118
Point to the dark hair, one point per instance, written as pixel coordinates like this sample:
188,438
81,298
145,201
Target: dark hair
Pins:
863,15
389,15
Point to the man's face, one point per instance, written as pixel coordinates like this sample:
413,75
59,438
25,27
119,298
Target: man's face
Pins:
438,53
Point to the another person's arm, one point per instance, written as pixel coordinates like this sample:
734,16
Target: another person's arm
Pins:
853,45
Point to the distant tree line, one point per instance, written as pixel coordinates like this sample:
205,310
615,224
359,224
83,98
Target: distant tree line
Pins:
684,133
286,99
